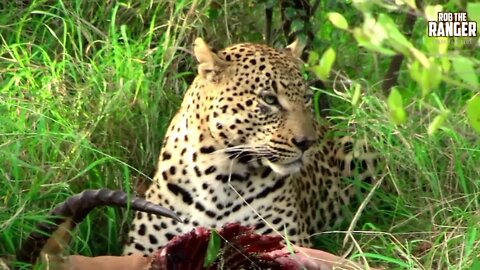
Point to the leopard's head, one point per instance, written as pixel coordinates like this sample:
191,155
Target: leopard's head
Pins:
258,103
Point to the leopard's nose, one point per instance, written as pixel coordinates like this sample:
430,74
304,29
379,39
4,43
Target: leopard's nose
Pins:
303,142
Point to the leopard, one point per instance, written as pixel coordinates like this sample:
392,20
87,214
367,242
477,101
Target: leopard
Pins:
246,146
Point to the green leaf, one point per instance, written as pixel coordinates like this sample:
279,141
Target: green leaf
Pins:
411,3
436,45
271,3
392,31
431,12
313,58
297,25
475,264
445,63
472,239
375,31
356,94
431,77
316,104
289,244
290,13
338,20
212,13
473,112
322,70
415,71
365,41
395,104
464,68
363,6
420,56
473,11
213,249
428,78
437,122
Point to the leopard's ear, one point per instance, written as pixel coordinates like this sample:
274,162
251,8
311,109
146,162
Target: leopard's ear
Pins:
296,48
210,65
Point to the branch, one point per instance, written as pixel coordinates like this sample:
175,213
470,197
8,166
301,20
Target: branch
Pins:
268,25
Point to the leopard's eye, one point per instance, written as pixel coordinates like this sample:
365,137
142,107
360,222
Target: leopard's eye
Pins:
270,99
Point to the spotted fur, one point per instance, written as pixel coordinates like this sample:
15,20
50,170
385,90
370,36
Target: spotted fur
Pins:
244,147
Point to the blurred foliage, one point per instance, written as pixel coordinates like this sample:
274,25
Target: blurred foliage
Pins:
436,64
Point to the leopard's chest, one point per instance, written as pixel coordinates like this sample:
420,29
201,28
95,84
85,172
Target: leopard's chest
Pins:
258,199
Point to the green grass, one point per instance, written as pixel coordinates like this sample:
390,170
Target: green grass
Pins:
87,90
429,219
84,103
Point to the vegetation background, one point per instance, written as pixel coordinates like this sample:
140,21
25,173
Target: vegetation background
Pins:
87,89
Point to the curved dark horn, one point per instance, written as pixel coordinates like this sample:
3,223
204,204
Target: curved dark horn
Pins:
76,208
